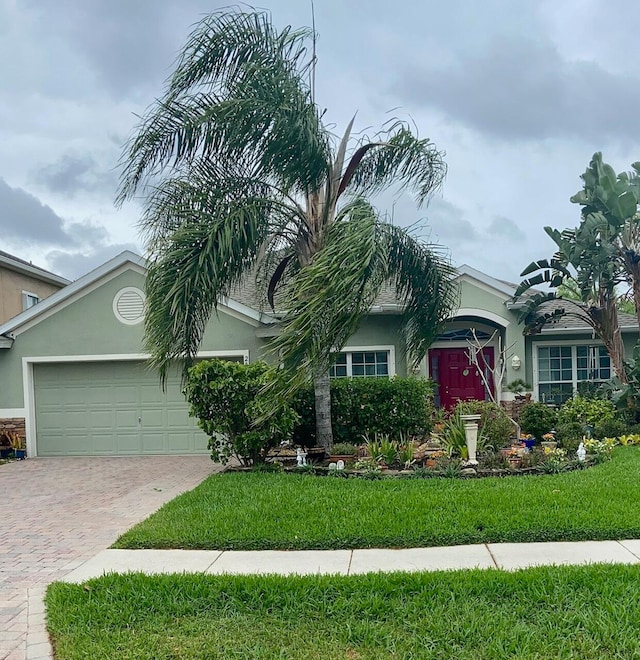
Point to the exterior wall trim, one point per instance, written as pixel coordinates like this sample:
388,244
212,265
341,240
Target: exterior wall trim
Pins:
28,384
12,412
482,314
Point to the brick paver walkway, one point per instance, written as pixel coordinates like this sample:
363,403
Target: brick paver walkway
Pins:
58,512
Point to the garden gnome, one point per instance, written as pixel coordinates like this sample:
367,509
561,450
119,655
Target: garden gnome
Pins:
582,452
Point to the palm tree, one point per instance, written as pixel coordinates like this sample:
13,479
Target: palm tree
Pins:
239,175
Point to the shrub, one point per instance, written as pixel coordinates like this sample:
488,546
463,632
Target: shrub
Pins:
569,435
589,412
537,419
610,428
344,449
226,398
495,427
359,406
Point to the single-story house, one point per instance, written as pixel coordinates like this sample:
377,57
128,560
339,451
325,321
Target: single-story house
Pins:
74,374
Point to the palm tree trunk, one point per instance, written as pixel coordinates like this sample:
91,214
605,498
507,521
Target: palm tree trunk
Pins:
324,433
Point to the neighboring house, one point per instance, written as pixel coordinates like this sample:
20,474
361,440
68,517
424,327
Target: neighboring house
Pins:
74,372
23,285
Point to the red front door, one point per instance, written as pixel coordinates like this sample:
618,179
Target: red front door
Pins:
456,378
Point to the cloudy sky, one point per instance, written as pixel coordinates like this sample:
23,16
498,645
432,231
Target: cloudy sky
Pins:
518,94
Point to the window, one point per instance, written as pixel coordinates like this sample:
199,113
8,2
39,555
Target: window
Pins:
562,368
361,364
29,300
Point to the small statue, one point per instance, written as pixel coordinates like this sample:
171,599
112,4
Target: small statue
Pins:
582,452
301,457
340,465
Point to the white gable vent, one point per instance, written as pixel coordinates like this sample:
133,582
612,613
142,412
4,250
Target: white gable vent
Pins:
128,305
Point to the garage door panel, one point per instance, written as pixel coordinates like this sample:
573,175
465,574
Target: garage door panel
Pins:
126,419
96,395
179,443
72,445
153,443
111,408
177,417
99,444
128,443
101,419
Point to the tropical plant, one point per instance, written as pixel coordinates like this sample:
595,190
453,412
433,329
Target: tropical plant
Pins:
240,175
454,437
593,259
406,452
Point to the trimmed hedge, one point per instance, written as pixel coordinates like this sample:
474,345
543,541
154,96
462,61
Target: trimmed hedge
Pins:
368,405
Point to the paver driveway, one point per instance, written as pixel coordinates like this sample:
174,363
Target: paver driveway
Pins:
58,512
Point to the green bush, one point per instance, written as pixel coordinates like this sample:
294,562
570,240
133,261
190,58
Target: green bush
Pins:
226,398
360,406
494,426
589,412
610,428
537,419
569,436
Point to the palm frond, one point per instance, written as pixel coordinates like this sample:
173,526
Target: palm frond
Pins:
225,45
425,285
226,102
201,241
396,157
328,297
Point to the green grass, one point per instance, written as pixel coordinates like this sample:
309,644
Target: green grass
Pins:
284,511
567,612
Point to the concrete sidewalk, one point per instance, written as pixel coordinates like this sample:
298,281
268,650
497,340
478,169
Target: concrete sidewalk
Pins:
507,556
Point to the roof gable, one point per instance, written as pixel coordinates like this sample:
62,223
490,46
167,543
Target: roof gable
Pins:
467,273
95,279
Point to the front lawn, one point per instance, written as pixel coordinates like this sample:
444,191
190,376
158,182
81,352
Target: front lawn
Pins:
568,612
252,511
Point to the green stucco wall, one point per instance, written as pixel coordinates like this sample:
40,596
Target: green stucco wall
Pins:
474,297
88,326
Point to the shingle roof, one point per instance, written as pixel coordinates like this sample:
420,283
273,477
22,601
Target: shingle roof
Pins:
573,322
27,265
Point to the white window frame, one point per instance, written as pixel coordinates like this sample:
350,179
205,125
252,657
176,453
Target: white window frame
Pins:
391,364
26,295
535,347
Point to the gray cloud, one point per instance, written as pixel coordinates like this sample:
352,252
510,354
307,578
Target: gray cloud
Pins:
127,45
504,228
518,88
67,175
75,264
448,223
26,219
73,174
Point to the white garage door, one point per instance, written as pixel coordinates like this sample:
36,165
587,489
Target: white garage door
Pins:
111,408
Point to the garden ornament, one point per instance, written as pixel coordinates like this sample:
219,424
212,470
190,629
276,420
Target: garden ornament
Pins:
582,452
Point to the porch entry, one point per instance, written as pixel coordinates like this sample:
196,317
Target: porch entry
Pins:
456,378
